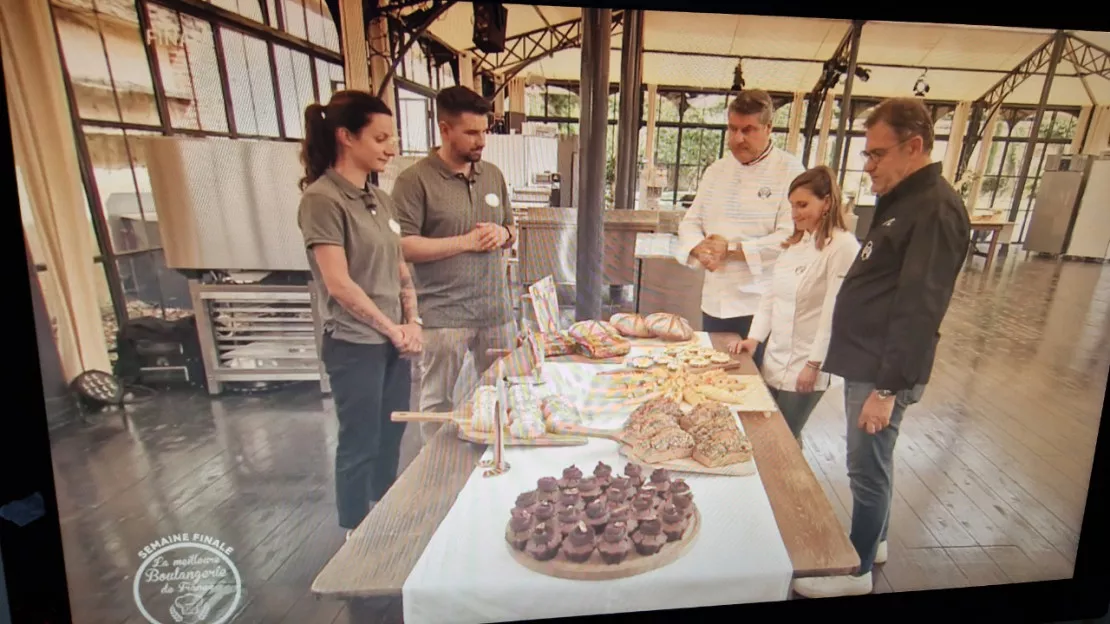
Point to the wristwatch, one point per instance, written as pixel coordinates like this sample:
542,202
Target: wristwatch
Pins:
734,246
885,394
419,321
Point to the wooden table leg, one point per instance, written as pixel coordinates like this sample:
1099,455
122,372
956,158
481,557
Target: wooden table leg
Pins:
995,233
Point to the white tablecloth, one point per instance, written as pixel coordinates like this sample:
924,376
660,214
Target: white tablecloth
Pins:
466,573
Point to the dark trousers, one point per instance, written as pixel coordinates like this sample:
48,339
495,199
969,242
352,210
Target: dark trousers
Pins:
871,469
735,325
796,408
368,382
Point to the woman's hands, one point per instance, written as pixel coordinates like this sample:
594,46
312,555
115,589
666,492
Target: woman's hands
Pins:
748,345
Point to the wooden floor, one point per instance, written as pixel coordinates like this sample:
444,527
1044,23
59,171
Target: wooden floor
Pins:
991,475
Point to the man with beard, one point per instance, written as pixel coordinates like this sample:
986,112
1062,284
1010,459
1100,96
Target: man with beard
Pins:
456,223
740,217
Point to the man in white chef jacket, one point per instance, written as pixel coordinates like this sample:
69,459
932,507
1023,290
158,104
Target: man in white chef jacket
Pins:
739,217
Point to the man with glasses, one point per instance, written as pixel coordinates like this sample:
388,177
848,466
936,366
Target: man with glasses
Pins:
739,217
887,317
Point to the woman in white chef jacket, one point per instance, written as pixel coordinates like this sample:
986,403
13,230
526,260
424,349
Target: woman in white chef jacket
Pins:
796,310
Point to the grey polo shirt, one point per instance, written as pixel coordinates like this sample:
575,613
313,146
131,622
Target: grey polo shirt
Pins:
334,211
470,289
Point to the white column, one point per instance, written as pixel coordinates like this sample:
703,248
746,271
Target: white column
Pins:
1080,137
516,95
466,70
982,161
649,137
956,139
826,125
356,67
795,127
1098,137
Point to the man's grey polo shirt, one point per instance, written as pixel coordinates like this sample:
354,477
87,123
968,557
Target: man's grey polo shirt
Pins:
470,289
334,211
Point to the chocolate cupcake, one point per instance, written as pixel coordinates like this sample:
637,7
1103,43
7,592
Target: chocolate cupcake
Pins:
545,511
635,474
661,480
571,477
528,501
615,498
614,544
624,515
547,489
643,507
543,545
567,518
571,498
621,484
674,523
579,544
649,538
597,516
685,503
589,489
520,528
678,486
604,474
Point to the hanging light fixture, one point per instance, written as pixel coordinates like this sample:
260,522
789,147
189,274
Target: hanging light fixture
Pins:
921,87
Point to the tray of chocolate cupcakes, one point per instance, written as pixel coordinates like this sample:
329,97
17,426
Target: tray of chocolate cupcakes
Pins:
603,526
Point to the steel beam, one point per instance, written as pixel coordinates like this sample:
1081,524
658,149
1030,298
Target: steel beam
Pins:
593,124
434,14
631,104
824,84
1057,51
846,98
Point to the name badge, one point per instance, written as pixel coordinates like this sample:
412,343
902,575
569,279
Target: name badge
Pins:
396,227
493,200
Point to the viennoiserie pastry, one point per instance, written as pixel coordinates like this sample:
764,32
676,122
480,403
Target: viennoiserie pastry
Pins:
720,357
649,537
674,522
547,489
544,542
671,327
642,362
604,473
597,516
631,325
579,544
614,544
521,526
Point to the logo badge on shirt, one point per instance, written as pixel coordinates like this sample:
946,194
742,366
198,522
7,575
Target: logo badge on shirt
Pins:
493,200
764,192
888,222
866,253
396,227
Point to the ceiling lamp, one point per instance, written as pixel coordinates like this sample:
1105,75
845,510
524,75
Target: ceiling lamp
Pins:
738,76
921,87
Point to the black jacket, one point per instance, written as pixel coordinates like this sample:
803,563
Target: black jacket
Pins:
886,322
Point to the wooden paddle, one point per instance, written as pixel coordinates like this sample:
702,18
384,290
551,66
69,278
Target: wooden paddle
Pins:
436,417
591,432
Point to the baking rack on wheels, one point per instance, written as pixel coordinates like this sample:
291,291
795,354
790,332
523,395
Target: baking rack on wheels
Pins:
255,332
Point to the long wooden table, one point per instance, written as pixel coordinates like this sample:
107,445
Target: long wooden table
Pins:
382,551
996,229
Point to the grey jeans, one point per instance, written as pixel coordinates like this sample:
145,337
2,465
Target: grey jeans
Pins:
871,469
442,361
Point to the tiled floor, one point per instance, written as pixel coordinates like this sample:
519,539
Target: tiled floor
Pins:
991,473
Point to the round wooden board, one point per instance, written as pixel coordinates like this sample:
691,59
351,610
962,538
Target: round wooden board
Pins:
597,570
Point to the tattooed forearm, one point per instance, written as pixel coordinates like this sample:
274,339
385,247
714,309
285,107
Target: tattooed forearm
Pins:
408,294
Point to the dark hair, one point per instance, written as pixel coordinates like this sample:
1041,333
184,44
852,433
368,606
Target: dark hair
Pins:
821,181
348,109
908,118
453,101
752,102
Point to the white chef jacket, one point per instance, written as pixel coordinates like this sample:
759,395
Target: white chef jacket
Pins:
747,204
796,310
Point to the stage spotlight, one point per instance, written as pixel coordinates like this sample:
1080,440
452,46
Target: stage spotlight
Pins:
921,87
738,77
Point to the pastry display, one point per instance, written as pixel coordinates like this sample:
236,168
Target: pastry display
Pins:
527,429
555,345
599,340
579,544
631,325
558,409
649,538
623,530
659,432
670,327
642,362
520,528
484,409
661,480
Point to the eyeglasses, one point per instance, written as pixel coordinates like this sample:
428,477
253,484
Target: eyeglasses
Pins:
878,154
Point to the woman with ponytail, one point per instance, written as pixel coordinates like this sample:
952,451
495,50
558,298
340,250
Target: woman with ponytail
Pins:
795,312
371,326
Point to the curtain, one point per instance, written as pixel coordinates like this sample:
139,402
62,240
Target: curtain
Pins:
46,153
956,140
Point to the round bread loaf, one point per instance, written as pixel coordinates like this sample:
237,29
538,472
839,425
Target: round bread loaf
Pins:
669,327
631,325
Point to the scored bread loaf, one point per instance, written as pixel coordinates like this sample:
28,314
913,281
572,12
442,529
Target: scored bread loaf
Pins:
631,325
671,327
555,345
599,340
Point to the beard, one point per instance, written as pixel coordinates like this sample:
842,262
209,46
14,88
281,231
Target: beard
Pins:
474,155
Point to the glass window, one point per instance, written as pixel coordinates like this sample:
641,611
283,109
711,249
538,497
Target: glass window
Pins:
295,84
329,79
247,8
562,102
535,99
666,106
121,178
416,67
709,108
189,71
414,111
294,12
252,89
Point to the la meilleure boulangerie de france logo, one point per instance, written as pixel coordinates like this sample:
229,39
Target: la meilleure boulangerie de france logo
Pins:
187,579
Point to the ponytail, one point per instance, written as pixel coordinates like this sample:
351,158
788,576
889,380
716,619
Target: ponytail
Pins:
318,151
348,109
821,181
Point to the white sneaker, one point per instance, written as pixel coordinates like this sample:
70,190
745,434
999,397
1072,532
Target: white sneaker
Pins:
833,586
880,554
